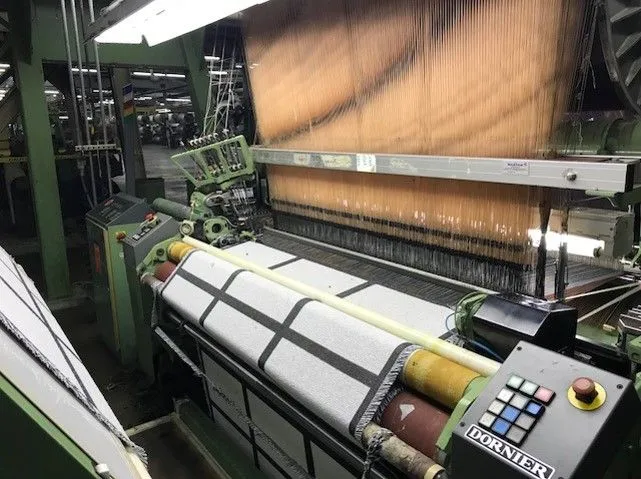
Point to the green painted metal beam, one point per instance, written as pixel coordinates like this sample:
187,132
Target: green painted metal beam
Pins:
198,76
29,79
47,21
34,446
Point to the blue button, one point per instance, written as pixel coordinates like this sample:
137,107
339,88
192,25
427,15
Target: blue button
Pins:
534,408
510,414
500,427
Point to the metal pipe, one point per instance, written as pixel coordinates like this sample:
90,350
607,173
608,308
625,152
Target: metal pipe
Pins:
83,93
469,359
92,109
616,300
103,118
72,85
599,291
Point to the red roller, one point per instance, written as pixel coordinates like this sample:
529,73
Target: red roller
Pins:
164,270
415,421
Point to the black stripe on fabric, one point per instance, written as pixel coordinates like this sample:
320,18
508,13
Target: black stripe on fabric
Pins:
284,263
252,436
246,436
309,457
328,356
269,349
62,347
355,289
376,386
213,302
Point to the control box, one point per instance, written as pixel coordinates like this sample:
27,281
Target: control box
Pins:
505,319
545,416
139,243
107,224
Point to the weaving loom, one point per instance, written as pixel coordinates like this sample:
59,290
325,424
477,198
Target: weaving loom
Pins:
431,213
446,85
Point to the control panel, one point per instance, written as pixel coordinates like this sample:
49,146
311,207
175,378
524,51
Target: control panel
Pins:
157,227
119,209
545,416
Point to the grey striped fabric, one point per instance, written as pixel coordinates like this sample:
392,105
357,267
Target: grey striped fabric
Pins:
337,366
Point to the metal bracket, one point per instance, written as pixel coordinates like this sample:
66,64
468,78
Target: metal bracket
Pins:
98,147
598,174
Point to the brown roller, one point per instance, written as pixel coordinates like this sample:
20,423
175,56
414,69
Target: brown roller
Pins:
415,421
164,270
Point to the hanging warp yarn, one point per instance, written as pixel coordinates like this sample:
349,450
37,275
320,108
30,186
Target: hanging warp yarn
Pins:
481,78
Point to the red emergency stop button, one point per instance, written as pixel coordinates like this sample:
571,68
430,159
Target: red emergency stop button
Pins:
585,390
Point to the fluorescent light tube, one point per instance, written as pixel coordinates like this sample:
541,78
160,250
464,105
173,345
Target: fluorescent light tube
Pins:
162,20
577,245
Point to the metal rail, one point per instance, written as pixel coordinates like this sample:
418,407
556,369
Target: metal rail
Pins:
612,175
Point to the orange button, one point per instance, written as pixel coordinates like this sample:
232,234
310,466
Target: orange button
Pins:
149,216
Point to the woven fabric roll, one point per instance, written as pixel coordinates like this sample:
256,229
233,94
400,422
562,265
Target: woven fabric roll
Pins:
436,377
415,421
337,366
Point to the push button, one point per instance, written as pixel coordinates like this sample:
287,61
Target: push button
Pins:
535,409
505,395
510,414
496,407
528,388
519,401
525,422
515,382
544,395
585,390
500,427
487,420
516,435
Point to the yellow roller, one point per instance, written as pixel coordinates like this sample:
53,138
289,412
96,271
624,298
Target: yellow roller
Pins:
436,377
469,359
178,250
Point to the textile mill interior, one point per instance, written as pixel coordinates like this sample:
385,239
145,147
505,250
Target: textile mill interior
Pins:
340,239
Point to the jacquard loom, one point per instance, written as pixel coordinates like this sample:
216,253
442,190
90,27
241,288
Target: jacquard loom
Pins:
447,283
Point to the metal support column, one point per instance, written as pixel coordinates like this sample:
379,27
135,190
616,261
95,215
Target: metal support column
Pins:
197,74
127,128
30,80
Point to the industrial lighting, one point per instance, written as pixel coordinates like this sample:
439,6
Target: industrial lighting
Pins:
577,245
218,73
104,91
51,92
144,98
179,100
150,74
209,58
63,117
162,20
84,70
4,65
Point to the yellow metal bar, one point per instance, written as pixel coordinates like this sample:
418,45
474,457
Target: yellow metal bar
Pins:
469,359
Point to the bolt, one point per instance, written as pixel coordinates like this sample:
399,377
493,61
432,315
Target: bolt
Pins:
571,175
103,471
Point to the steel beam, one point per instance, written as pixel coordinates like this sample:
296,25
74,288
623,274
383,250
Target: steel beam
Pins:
198,76
29,79
609,175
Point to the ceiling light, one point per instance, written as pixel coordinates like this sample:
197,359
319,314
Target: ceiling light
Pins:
179,100
162,20
209,58
143,98
84,70
4,65
218,73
